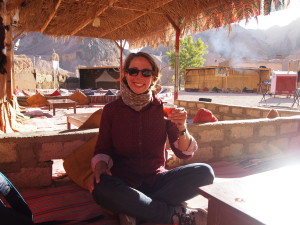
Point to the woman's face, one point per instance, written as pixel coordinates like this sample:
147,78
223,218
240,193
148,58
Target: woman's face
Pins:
139,84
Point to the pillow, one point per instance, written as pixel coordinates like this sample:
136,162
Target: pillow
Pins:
109,92
55,93
79,97
93,121
37,100
17,92
273,113
26,93
78,164
204,116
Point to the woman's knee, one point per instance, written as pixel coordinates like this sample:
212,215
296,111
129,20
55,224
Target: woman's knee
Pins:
204,172
106,188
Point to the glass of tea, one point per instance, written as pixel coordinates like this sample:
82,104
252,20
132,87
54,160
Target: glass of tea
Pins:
168,108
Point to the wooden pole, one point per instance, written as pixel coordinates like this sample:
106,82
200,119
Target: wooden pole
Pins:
9,55
176,85
121,47
176,64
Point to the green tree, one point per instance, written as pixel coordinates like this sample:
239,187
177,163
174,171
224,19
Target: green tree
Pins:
191,54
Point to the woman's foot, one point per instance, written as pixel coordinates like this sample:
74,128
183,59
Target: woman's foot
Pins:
185,216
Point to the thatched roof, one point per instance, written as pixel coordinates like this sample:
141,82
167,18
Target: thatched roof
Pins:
141,22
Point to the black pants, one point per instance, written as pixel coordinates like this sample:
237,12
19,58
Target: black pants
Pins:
156,203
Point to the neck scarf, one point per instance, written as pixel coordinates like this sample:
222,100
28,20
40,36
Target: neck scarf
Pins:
133,100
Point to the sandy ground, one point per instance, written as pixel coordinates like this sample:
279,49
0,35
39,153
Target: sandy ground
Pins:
44,119
242,99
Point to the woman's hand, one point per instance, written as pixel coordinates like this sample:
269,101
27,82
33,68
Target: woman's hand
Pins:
178,116
100,168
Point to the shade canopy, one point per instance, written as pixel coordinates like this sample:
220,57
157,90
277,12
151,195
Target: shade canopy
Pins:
141,22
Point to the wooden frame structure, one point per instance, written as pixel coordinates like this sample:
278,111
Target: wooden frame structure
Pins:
139,22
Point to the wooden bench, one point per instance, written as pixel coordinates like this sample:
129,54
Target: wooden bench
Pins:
77,119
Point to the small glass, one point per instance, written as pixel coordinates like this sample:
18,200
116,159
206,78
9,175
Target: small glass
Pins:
168,108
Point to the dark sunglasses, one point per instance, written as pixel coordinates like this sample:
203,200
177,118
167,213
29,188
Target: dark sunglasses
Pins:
135,72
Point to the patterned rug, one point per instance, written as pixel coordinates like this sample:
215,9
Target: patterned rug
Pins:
68,203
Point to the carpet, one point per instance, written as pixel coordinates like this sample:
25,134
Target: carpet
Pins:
68,203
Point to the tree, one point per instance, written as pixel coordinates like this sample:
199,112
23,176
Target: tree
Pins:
191,54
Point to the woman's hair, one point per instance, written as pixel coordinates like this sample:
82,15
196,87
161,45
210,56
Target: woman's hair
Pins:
147,57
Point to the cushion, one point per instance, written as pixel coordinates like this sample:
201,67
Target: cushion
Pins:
204,116
273,113
17,92
237,90
78,164
37,100
109,92
93,121
55,93
26,93
79,97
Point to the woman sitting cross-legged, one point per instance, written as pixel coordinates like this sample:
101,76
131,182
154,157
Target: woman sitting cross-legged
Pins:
130,177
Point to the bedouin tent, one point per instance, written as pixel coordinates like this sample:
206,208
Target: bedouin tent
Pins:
139,22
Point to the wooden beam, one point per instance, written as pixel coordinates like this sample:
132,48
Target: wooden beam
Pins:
175,26
157,5
17,35
51,16
121,47
89,20
9,58
135,9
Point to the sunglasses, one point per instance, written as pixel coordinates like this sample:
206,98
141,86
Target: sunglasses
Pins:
135,72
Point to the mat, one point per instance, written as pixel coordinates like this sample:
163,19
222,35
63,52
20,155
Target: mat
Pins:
68,203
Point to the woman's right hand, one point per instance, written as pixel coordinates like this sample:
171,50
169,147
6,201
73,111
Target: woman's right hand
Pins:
100,168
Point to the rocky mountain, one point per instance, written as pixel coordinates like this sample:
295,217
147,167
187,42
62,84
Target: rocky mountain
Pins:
246,44
73,51
271,43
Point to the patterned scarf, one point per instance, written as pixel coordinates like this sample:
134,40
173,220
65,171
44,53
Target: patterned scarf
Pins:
133,100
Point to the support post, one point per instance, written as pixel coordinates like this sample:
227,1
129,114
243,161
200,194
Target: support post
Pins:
121,47
9,55
176,84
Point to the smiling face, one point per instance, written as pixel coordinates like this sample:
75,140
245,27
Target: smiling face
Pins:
139,84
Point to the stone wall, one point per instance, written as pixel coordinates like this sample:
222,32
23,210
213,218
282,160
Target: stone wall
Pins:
231,112
26,157
232,140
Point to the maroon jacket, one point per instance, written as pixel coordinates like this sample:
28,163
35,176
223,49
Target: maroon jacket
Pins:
136,141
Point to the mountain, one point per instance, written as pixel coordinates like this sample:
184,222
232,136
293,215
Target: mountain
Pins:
246,44
73,51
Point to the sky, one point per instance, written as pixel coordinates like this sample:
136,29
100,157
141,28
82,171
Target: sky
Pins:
279,18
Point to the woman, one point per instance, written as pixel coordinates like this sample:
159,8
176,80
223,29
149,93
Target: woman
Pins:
129,161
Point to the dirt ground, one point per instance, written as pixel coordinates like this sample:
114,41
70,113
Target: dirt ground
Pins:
242,99
44,119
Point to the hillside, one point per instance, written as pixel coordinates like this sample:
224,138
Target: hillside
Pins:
73,51
246,44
